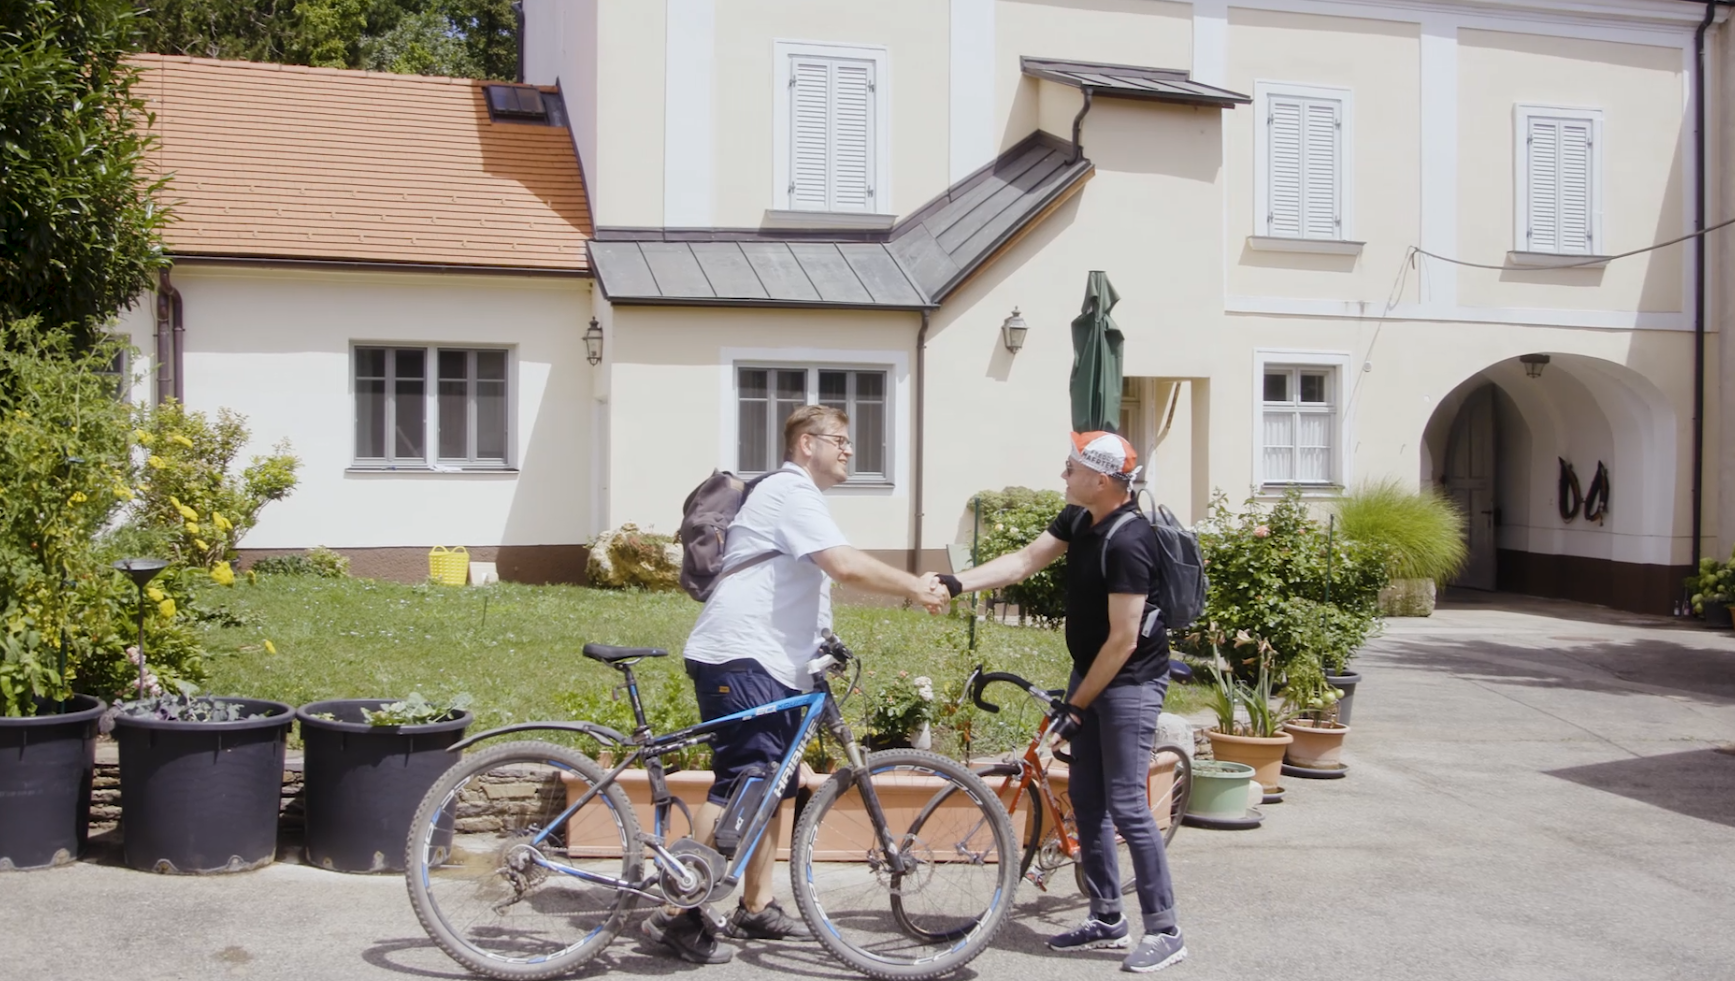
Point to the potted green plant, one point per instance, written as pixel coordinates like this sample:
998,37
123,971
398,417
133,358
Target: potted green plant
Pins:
1249,728
1421,533
368,763
1712,590
1317,749
900,712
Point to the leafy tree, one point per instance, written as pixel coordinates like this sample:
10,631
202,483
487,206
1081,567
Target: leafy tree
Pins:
464,38
81,231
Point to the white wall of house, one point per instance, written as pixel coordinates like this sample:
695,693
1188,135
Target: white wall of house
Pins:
276,345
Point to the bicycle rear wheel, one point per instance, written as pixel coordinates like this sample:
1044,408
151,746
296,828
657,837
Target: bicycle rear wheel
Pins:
495,900
1169,784
917,924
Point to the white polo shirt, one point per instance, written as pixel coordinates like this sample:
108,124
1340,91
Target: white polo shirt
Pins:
773,612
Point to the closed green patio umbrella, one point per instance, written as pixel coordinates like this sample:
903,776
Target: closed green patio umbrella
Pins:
1096,360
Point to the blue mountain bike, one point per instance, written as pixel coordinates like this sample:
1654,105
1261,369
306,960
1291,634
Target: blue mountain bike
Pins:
525,859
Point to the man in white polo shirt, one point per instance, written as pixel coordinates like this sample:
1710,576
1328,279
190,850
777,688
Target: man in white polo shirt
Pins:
753,641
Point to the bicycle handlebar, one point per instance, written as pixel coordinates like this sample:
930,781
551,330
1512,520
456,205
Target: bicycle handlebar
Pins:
1178,671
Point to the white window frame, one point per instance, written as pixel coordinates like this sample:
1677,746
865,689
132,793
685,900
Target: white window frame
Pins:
786,50
430,459
1522,116
894,363
1263,91
1340,385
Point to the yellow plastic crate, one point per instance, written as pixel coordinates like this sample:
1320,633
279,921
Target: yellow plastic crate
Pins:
449,566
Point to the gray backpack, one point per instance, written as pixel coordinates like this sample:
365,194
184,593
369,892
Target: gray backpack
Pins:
1181,579
705,520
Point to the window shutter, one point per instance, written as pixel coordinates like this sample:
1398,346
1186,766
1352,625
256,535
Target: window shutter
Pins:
1321,173
852,136
1283,211
1543,224
1575,180
809,136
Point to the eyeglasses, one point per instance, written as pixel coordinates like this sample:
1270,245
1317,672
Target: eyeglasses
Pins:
836,439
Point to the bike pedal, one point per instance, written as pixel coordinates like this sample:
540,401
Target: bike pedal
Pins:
717,920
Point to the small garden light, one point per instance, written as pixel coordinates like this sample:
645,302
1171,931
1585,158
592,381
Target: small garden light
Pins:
593,342
141,571
1012,332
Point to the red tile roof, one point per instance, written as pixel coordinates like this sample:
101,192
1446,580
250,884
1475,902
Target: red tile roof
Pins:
281,161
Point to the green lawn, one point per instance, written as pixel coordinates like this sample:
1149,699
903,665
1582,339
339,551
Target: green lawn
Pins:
515,649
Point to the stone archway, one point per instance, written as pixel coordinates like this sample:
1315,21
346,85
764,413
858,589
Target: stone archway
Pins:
1495,442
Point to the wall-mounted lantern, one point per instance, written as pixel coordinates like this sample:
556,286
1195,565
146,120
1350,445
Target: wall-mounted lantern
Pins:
1012,332
593,342
1533,364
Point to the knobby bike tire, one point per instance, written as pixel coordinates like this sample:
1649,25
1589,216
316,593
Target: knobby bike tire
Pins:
961,892
473,830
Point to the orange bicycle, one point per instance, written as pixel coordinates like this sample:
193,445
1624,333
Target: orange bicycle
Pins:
1050,835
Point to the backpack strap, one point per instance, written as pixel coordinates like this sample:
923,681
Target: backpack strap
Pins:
1118,524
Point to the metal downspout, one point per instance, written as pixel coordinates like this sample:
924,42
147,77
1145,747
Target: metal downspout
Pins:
1699,281
921,414
1078,129
168,340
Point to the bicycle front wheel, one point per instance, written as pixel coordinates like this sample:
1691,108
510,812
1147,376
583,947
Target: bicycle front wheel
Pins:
926,919
493,897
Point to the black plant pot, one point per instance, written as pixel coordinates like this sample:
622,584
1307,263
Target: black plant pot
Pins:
202,796
1346,681
1717,615
363,782
46,764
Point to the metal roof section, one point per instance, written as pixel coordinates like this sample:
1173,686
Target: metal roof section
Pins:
913,266
1132,82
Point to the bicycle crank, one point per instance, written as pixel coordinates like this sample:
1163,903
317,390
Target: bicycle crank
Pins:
704,864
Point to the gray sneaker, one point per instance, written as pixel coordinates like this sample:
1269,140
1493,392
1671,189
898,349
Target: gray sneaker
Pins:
1155,952
1090,935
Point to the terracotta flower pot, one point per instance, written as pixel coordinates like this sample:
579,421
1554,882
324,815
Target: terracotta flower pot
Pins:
690,786
1264,755
1317,746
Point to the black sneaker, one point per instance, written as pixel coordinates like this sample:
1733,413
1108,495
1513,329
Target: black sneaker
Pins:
687,935
770,923
1155,952
1091,934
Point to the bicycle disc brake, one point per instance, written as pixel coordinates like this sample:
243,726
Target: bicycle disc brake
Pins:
706,865
911,882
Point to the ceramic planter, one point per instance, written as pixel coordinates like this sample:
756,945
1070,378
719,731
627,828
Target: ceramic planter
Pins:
1347,682
46,765
1220,790
202,796
1263,754
364,782
1317,745
690,786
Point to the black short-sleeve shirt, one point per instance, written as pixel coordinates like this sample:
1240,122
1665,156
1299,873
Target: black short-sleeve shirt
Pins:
1131,567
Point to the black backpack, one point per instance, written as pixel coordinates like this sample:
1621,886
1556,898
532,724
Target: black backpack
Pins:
1181,579
704,536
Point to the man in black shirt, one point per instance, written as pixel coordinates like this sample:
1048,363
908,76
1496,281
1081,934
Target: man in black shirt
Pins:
1120,657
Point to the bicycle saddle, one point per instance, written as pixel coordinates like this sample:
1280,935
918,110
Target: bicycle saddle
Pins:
610,655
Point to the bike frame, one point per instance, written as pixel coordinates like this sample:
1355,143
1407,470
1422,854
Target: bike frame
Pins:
1032,770
818,707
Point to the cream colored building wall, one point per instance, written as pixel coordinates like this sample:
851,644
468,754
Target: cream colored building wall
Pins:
1126,32
673,412
1646,136
1376,61
275,345
914,34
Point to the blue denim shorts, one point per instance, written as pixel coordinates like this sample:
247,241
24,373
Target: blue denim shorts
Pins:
735,686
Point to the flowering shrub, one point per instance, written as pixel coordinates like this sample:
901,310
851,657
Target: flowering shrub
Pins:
1011,519
187,492
1268,569
896,708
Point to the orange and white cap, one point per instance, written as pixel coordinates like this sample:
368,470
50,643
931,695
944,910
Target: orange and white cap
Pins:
1106,453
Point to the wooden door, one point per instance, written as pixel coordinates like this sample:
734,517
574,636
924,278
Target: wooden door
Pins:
1470,481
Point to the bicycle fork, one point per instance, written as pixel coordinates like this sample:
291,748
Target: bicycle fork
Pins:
897,862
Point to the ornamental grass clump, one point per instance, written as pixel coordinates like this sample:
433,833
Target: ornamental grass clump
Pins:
1422,531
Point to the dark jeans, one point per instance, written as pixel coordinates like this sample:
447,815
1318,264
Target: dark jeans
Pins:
1111,755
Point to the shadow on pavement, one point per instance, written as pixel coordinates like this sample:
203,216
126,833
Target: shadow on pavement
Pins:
1698,783
1458,598
1705,674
